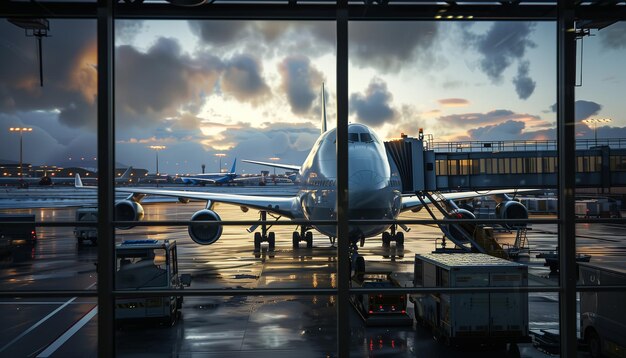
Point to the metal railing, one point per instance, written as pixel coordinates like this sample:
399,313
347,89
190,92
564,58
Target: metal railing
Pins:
521,145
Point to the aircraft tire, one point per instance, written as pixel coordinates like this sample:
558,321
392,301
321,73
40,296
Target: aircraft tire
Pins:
296,240
309,239
257,242
386,238
400,239
271,239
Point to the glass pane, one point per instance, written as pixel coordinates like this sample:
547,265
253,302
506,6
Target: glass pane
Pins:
48,135
600,185
222,119
462,109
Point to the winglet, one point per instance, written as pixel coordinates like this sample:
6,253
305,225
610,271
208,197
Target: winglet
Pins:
323,110
77,182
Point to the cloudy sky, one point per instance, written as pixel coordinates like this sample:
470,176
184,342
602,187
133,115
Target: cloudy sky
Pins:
251,90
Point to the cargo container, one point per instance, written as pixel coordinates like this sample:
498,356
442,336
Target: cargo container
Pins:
603,313
472,318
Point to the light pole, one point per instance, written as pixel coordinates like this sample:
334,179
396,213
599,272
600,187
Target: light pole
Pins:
157,148
220,155
594,122
21,130
274,159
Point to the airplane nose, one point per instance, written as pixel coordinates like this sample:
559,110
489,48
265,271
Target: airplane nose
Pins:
369,190
366,180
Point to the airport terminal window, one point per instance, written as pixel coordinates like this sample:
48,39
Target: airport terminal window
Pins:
618,163
233,271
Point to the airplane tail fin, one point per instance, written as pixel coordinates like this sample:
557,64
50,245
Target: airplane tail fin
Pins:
78,183
232,170
126,174
323,119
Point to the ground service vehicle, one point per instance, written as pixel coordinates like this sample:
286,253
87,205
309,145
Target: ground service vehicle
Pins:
380,309
472,318
83,233
19,235
603,313
148,265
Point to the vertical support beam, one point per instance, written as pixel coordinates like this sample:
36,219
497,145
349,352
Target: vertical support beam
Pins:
566,80
106,239
343,243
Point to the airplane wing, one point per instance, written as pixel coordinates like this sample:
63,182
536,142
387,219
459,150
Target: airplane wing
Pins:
412,201
284,206
275,165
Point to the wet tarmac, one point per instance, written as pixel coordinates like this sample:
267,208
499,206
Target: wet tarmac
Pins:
284,326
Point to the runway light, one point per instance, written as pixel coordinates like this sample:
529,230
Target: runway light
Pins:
438,17
449,17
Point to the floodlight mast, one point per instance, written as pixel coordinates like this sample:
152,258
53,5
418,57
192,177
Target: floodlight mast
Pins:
34,27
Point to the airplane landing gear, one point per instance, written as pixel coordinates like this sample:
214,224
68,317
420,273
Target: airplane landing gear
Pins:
264,235
303,235
394,235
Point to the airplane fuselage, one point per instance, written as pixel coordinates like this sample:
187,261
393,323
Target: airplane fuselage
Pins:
374,191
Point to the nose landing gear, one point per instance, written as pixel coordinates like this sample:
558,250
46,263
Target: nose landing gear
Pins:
394,235
264,235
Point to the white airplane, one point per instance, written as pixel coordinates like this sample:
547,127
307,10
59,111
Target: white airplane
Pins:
374,194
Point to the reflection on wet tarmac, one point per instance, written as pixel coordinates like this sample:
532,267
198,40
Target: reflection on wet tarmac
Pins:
288,326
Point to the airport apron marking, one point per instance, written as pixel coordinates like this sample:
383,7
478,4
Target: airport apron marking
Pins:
68,334
41,321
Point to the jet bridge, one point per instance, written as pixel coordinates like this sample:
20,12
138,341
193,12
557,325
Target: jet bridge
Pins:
415,163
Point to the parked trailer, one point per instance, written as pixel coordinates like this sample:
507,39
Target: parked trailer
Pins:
472,318
380,309
603,313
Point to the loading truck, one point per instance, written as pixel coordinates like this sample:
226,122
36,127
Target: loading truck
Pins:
493,319
148,265
603,313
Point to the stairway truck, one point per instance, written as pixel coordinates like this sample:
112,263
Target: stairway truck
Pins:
603,313
377,308
148,265
480,318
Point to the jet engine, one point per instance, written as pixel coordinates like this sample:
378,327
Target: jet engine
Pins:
511,209
128,210
203,233
469,228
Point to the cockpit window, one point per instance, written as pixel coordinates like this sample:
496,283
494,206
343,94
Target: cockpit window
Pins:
353,137
366,138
